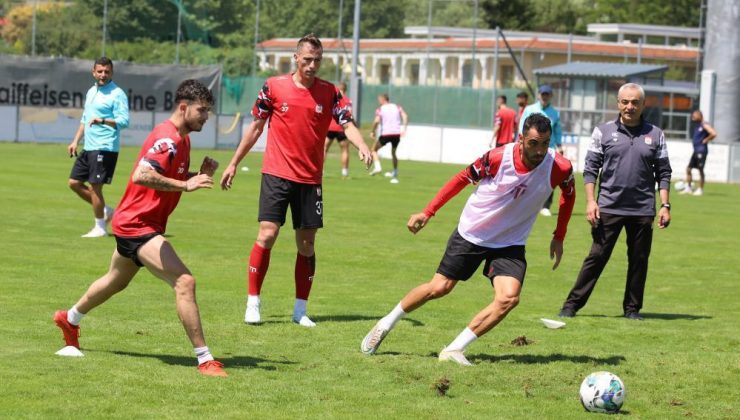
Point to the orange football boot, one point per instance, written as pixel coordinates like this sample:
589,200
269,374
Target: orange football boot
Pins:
71,332
212,368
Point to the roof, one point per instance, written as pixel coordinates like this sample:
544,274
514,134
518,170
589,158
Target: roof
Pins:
641,29
600,70
454,32
487,45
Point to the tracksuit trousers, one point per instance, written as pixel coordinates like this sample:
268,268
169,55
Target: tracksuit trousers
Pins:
639,239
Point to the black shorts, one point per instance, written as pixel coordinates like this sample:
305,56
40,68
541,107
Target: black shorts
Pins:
129,247
336,135
305,200
393,140
697,160
95,166
462,258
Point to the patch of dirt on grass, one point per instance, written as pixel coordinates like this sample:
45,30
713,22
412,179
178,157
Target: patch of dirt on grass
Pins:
441,386
521,341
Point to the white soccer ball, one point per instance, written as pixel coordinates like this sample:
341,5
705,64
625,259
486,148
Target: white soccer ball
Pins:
602,392
680,185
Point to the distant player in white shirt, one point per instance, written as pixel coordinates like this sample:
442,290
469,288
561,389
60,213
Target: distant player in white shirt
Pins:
512,183
390,122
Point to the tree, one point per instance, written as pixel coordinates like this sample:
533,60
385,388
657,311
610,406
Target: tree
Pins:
512,15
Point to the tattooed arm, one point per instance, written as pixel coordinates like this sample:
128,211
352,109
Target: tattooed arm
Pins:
145,175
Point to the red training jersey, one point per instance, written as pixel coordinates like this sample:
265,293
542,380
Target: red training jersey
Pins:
144,210
299,121
488,165
505,120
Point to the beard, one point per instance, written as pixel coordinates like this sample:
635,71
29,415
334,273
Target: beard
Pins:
194,126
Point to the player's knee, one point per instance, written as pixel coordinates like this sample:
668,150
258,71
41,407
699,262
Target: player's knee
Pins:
306,247
507,302
267,236
185,285
74,184
439,290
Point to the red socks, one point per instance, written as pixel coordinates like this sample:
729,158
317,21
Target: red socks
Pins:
259,261
305,267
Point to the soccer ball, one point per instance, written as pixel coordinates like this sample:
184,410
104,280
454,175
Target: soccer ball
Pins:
680,185
602,392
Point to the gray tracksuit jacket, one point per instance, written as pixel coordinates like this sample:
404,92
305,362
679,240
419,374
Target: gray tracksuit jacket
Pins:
627,167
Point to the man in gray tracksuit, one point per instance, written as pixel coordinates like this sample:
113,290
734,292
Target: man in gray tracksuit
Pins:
628,156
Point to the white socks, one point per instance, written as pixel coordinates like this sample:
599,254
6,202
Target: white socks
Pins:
299,309
462,341
253,300
100,223
74,316
204,355
389,321
345,172
377,166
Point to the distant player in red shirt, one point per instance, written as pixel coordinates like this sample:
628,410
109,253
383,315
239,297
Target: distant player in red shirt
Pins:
522,100
336,132
512,182
300,107
503,126
159,177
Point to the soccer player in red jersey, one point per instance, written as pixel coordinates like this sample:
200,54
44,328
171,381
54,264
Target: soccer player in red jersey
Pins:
512,183
300,107
503,127
160,176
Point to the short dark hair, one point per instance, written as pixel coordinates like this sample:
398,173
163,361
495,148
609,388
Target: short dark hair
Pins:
522,94
503,98
192,90
311,39
540,122
103,61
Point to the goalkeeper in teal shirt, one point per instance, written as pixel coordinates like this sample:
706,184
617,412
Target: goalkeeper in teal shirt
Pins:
105,115
543,106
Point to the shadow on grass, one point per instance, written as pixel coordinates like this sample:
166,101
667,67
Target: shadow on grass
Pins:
353,318
653,315
229,362
536,359
338,318
670,317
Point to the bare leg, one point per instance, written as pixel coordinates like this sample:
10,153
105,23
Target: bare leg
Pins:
701,178
395,160
437,287
344,146
506,297
688,177
327,145
376,147
119,275
98,202
268,234
81,189
160,258
304,241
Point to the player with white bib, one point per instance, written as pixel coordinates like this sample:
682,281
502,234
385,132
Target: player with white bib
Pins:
512,183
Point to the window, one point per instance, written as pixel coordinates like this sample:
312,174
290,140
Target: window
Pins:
385,74
507,76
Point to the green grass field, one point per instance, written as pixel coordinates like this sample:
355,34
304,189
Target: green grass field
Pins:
682,361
